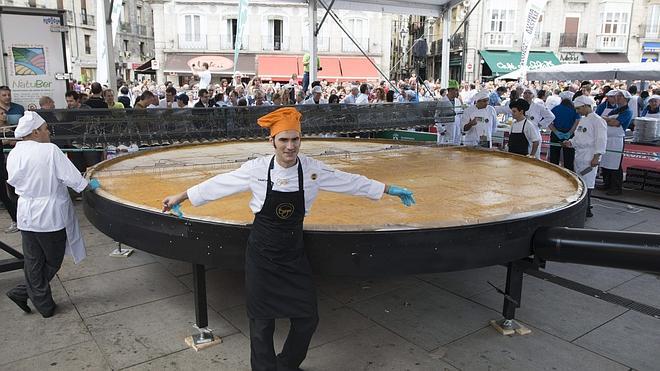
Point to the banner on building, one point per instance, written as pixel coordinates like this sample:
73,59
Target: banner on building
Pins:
101,46
242,19
533,11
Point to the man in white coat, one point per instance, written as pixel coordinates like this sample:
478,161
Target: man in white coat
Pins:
589,141
41,173
479,122
452,133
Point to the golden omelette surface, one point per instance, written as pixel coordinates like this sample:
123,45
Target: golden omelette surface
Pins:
452,186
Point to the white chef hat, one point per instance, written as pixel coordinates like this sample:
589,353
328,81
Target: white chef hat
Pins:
583,100
30,121
655,96
482,94
566,95
611,93
624,93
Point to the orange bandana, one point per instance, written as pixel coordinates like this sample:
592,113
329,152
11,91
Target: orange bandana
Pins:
283,119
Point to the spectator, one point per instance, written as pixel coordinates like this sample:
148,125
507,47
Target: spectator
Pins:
316,97
168,101
124,97
72,98
46,102
109,97
333,99
13,111
562,127
204,75
96,100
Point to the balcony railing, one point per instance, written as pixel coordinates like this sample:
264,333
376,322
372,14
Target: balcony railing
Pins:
86,19
611,43
542,41
650,31
226,42
456,42
573,40
347,45
270,43
142,30
498,40
125,27
192,41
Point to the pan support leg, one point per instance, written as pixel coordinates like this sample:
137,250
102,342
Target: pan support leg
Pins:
512,296
205,334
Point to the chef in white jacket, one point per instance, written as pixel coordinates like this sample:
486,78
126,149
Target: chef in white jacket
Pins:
479,122
278,276
589,141
41,173
452,133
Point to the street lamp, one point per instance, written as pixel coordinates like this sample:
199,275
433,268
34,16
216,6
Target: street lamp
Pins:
404,48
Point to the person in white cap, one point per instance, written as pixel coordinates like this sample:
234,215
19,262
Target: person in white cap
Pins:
41,173
479,121
653,108
589,141
538,114
608,105
316,97
618,121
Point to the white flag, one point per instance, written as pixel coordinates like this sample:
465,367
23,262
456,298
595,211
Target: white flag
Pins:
101,47
533,11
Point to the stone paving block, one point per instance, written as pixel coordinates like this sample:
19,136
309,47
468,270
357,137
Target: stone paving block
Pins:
350,290
93,237
372,349
486,349
555,309
470,282
224,290
111,291
83,356
632,339
601,278
145,332
233,354
11,239
176,267
25,335
649,226
335,322
604,218
426,315
644,289
98,261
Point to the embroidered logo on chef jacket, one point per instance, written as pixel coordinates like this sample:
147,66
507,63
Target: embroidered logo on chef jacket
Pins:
282,182
284,211
314,176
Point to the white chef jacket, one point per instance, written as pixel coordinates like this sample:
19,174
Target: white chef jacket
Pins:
540,114
590,138
41,173
253,176
486,125
453,130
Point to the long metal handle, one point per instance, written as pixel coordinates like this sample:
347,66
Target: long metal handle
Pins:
626,250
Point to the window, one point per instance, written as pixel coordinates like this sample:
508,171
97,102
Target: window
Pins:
192,28
613,30
124,12
275,33
60,4
501,24
141,48
32,3
232,29
653,21
88,46
138,15
358,28
125,45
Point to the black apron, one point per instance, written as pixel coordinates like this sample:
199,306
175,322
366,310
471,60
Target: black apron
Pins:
278,276
518,142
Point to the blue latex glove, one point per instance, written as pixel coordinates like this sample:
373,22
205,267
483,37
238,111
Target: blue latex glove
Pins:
563,136
176,209
94,184
405,195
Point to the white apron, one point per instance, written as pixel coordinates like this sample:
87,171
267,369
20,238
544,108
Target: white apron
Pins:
452,129
583,161
612,157
75,246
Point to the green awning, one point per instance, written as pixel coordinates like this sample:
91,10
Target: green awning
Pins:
502,63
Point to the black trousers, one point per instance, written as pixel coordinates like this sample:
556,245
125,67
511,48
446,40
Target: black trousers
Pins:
556,151
262,350
613,178
43,252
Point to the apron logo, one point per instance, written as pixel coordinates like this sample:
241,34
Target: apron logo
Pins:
314,176
284,211
486,120
584,130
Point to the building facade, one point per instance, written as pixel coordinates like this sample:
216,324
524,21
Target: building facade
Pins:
276,36
133,45
488,43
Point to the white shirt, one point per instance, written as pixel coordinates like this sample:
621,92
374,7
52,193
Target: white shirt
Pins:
486,124
252,176
349,99
163,104
362,99
540,114
204,79
531,133
310,100
41,173
552,101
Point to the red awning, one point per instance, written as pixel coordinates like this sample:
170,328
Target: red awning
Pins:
330,68
276,67
357,68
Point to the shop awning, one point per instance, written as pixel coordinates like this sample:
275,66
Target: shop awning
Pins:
220,64
145,68
605,57
653,47
276,67
501,63
358,68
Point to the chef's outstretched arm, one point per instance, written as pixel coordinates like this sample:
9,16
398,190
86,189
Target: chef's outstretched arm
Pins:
170,201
